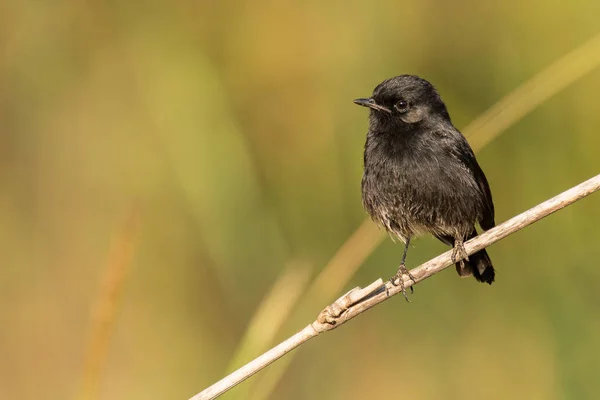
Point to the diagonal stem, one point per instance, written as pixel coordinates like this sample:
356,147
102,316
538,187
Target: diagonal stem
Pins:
360,300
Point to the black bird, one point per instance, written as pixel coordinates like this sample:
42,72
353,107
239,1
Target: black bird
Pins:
421,175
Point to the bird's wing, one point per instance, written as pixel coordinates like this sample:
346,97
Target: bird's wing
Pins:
458,147
465,155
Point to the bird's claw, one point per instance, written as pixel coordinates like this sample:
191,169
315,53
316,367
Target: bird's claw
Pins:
459,254
399,276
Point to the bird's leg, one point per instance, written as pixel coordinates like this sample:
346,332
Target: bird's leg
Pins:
403,271
459,254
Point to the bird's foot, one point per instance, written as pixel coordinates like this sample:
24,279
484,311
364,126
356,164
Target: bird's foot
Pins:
459,254
399,276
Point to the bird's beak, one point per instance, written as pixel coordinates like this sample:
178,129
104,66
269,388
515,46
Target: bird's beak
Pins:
371,104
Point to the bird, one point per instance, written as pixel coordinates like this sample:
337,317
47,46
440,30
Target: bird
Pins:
421,175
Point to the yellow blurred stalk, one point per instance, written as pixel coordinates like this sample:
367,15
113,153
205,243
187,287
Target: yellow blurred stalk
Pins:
104,311
534,92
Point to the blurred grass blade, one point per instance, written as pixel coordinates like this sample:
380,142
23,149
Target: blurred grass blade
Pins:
332,279
107,303
545,84
480,132
270,315
344,264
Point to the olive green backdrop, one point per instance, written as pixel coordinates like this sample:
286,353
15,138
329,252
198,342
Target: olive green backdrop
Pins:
228,129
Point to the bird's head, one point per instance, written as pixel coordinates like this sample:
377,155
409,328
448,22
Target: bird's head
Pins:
405,99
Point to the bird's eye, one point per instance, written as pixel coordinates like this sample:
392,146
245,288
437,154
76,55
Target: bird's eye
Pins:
402,106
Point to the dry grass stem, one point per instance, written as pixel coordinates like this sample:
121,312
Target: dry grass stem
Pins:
359,300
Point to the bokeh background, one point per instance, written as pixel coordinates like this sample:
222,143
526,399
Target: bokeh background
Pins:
174,176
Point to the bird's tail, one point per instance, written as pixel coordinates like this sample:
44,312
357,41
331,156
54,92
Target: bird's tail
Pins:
478,265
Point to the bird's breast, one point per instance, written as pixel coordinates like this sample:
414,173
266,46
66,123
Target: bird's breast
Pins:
411,191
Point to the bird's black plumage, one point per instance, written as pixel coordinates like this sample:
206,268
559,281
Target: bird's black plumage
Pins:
421,175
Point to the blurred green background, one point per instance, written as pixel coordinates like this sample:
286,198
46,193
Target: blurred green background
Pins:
228,126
